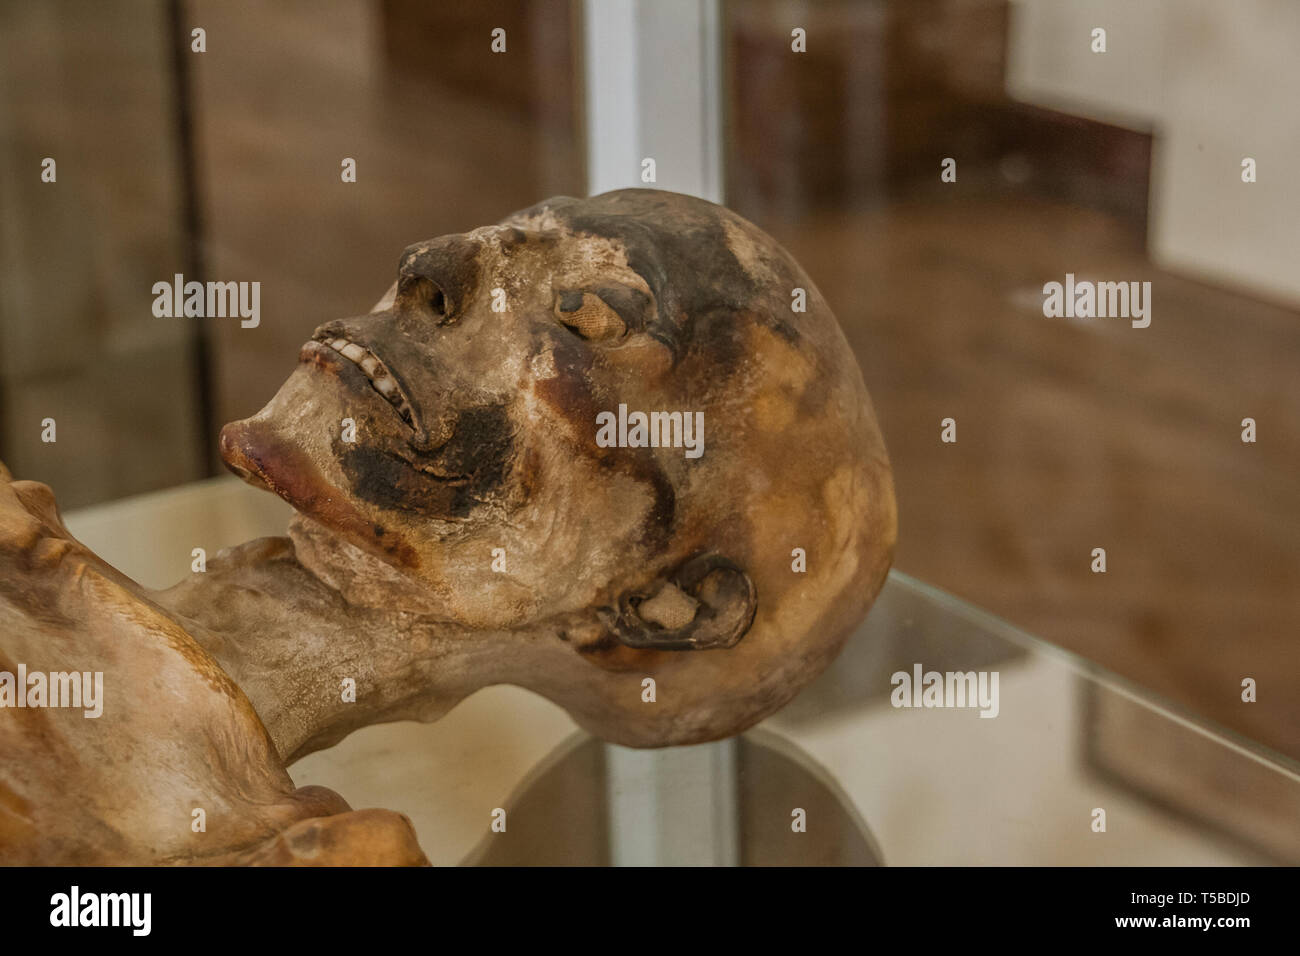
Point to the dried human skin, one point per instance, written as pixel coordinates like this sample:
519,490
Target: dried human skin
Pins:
173,734
475,532
475,388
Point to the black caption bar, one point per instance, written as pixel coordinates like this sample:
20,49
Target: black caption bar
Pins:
133,906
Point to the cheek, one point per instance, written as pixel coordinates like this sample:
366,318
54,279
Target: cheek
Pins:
471,469
391,484
577,379
563,390
264,455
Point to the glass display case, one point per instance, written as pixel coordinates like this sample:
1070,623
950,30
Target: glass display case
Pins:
876,783
1122,488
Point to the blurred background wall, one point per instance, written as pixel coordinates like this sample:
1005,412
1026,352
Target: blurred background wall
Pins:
445,138
1217,82
226,165
91,86
1071,435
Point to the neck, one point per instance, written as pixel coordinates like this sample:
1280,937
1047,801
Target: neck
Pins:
324,639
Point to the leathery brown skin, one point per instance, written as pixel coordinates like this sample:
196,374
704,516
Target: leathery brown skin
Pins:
621,563
479,433
174,734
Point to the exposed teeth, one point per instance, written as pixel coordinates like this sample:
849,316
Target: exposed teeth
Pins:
380,378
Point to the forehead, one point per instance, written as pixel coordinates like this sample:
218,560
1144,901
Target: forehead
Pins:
524,251
690,255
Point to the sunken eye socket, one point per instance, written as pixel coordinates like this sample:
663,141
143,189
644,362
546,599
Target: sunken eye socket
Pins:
424,294
588,316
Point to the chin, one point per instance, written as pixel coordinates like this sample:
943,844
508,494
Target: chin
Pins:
263,455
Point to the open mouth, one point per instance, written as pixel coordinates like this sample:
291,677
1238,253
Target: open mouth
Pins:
372,366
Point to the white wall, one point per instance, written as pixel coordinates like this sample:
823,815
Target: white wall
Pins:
1216,80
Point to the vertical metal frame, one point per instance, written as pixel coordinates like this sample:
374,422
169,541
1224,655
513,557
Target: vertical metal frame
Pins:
653,89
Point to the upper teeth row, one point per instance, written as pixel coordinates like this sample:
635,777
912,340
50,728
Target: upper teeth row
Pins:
375,370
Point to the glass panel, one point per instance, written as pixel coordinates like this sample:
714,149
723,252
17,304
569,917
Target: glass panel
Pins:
227,165
1072,434
445,139
946,786
91,88
879,783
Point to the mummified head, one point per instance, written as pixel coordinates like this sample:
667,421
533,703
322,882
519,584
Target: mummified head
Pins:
479,465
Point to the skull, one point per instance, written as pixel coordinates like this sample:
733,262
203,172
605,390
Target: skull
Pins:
508,451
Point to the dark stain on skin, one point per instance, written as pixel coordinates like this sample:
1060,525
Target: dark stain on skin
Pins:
464,472
726,333
771,318
640,465
288,473
603,644
510,239
608,654
481,447
529,473
390,481
570,393
681,253
657,528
